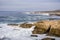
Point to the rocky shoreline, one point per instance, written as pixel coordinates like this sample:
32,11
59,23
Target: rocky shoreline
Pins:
49,27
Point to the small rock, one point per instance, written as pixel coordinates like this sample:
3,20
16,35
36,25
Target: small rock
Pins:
34,35
0,27
5,38
13,24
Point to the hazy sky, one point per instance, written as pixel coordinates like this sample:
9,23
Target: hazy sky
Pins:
29,5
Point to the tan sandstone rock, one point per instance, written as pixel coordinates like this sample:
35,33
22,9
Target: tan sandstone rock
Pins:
55,30
25,25
41,27
52,27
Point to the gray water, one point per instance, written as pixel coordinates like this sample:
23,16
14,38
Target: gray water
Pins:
17,17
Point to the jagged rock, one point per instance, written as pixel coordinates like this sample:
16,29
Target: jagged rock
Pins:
25,25
48,39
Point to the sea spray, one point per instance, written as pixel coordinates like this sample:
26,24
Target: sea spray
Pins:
16,33
13,32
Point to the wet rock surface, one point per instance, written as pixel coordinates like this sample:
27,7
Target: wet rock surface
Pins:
4,38
48,39
34,35
13,24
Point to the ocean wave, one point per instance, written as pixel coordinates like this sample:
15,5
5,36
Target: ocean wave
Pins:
13,19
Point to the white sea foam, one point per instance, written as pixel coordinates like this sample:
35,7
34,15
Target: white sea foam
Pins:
16,33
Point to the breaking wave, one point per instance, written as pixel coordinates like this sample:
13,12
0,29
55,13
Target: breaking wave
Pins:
16,33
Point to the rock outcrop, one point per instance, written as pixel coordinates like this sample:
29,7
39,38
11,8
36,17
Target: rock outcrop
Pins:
26,25
41,27
51,27
55,29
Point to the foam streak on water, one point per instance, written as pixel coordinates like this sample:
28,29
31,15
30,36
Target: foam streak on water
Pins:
16,33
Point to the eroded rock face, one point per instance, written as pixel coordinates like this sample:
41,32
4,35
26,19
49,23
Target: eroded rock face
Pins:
41,27
55,30
51,27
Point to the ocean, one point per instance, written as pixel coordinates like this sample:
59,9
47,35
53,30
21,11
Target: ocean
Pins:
17,17
9,17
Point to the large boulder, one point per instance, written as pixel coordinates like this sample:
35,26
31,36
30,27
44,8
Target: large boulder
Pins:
55,30
41,27
51,27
